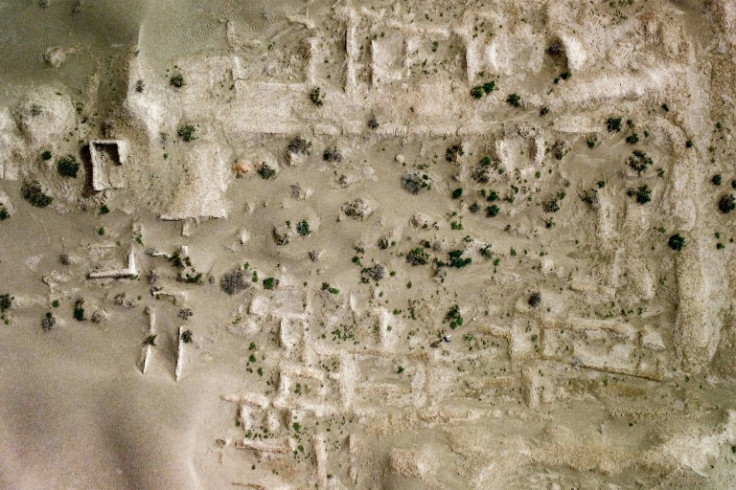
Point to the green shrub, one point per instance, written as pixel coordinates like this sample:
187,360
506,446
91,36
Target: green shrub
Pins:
177,80
79,310
514,100
4,214
315,95
32,192
613,124
186,133
269,283
727,203
303,228
716,179
643,194
492,211
632,139
187,336
453,153
477,92
417,256
46,155
6,302
457,193
676,242
639,161
266,171
68,166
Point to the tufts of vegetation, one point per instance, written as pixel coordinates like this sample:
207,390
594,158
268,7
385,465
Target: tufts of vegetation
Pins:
270,283
186,133
48,322
415,183
33,193
373,123
266,171
375,273
716,179
492,211
454,317
535,300
150,340
544,111
417,256
187,336
300,146
514,100
477,92
303,228
234,281
555,48
453,153
643,194
176,80
316,96
676,242
632,139
79,310
457,193
4,214
68,166
727,203
46,155
456,260
326,287
591,142
6,302
613,124
639,161
332,154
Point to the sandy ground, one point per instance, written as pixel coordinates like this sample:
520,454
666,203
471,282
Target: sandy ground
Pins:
386,245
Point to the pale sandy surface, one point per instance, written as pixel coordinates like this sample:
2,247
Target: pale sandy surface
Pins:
584,350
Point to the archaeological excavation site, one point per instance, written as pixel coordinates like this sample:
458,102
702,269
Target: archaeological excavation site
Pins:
401,245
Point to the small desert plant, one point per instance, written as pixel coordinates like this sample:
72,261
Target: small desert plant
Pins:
613,124
79,310
150,340
68,166
373,123
492,211
186,132
33,193
632,139
332,154
477,92
316,96
453,153
639,161
457,193
234,281
376,273
46,155
415,183
727,203
643,194
48,322
535,299
514,100
266,171
300,146
187,336
4,214
716,179
6,302
676,242
454,317
269,283
177,80
417,256
303,228
555,48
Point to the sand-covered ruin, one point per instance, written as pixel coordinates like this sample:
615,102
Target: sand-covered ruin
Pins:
367,245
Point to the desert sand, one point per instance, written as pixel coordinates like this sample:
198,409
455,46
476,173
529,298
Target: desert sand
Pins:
367,245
